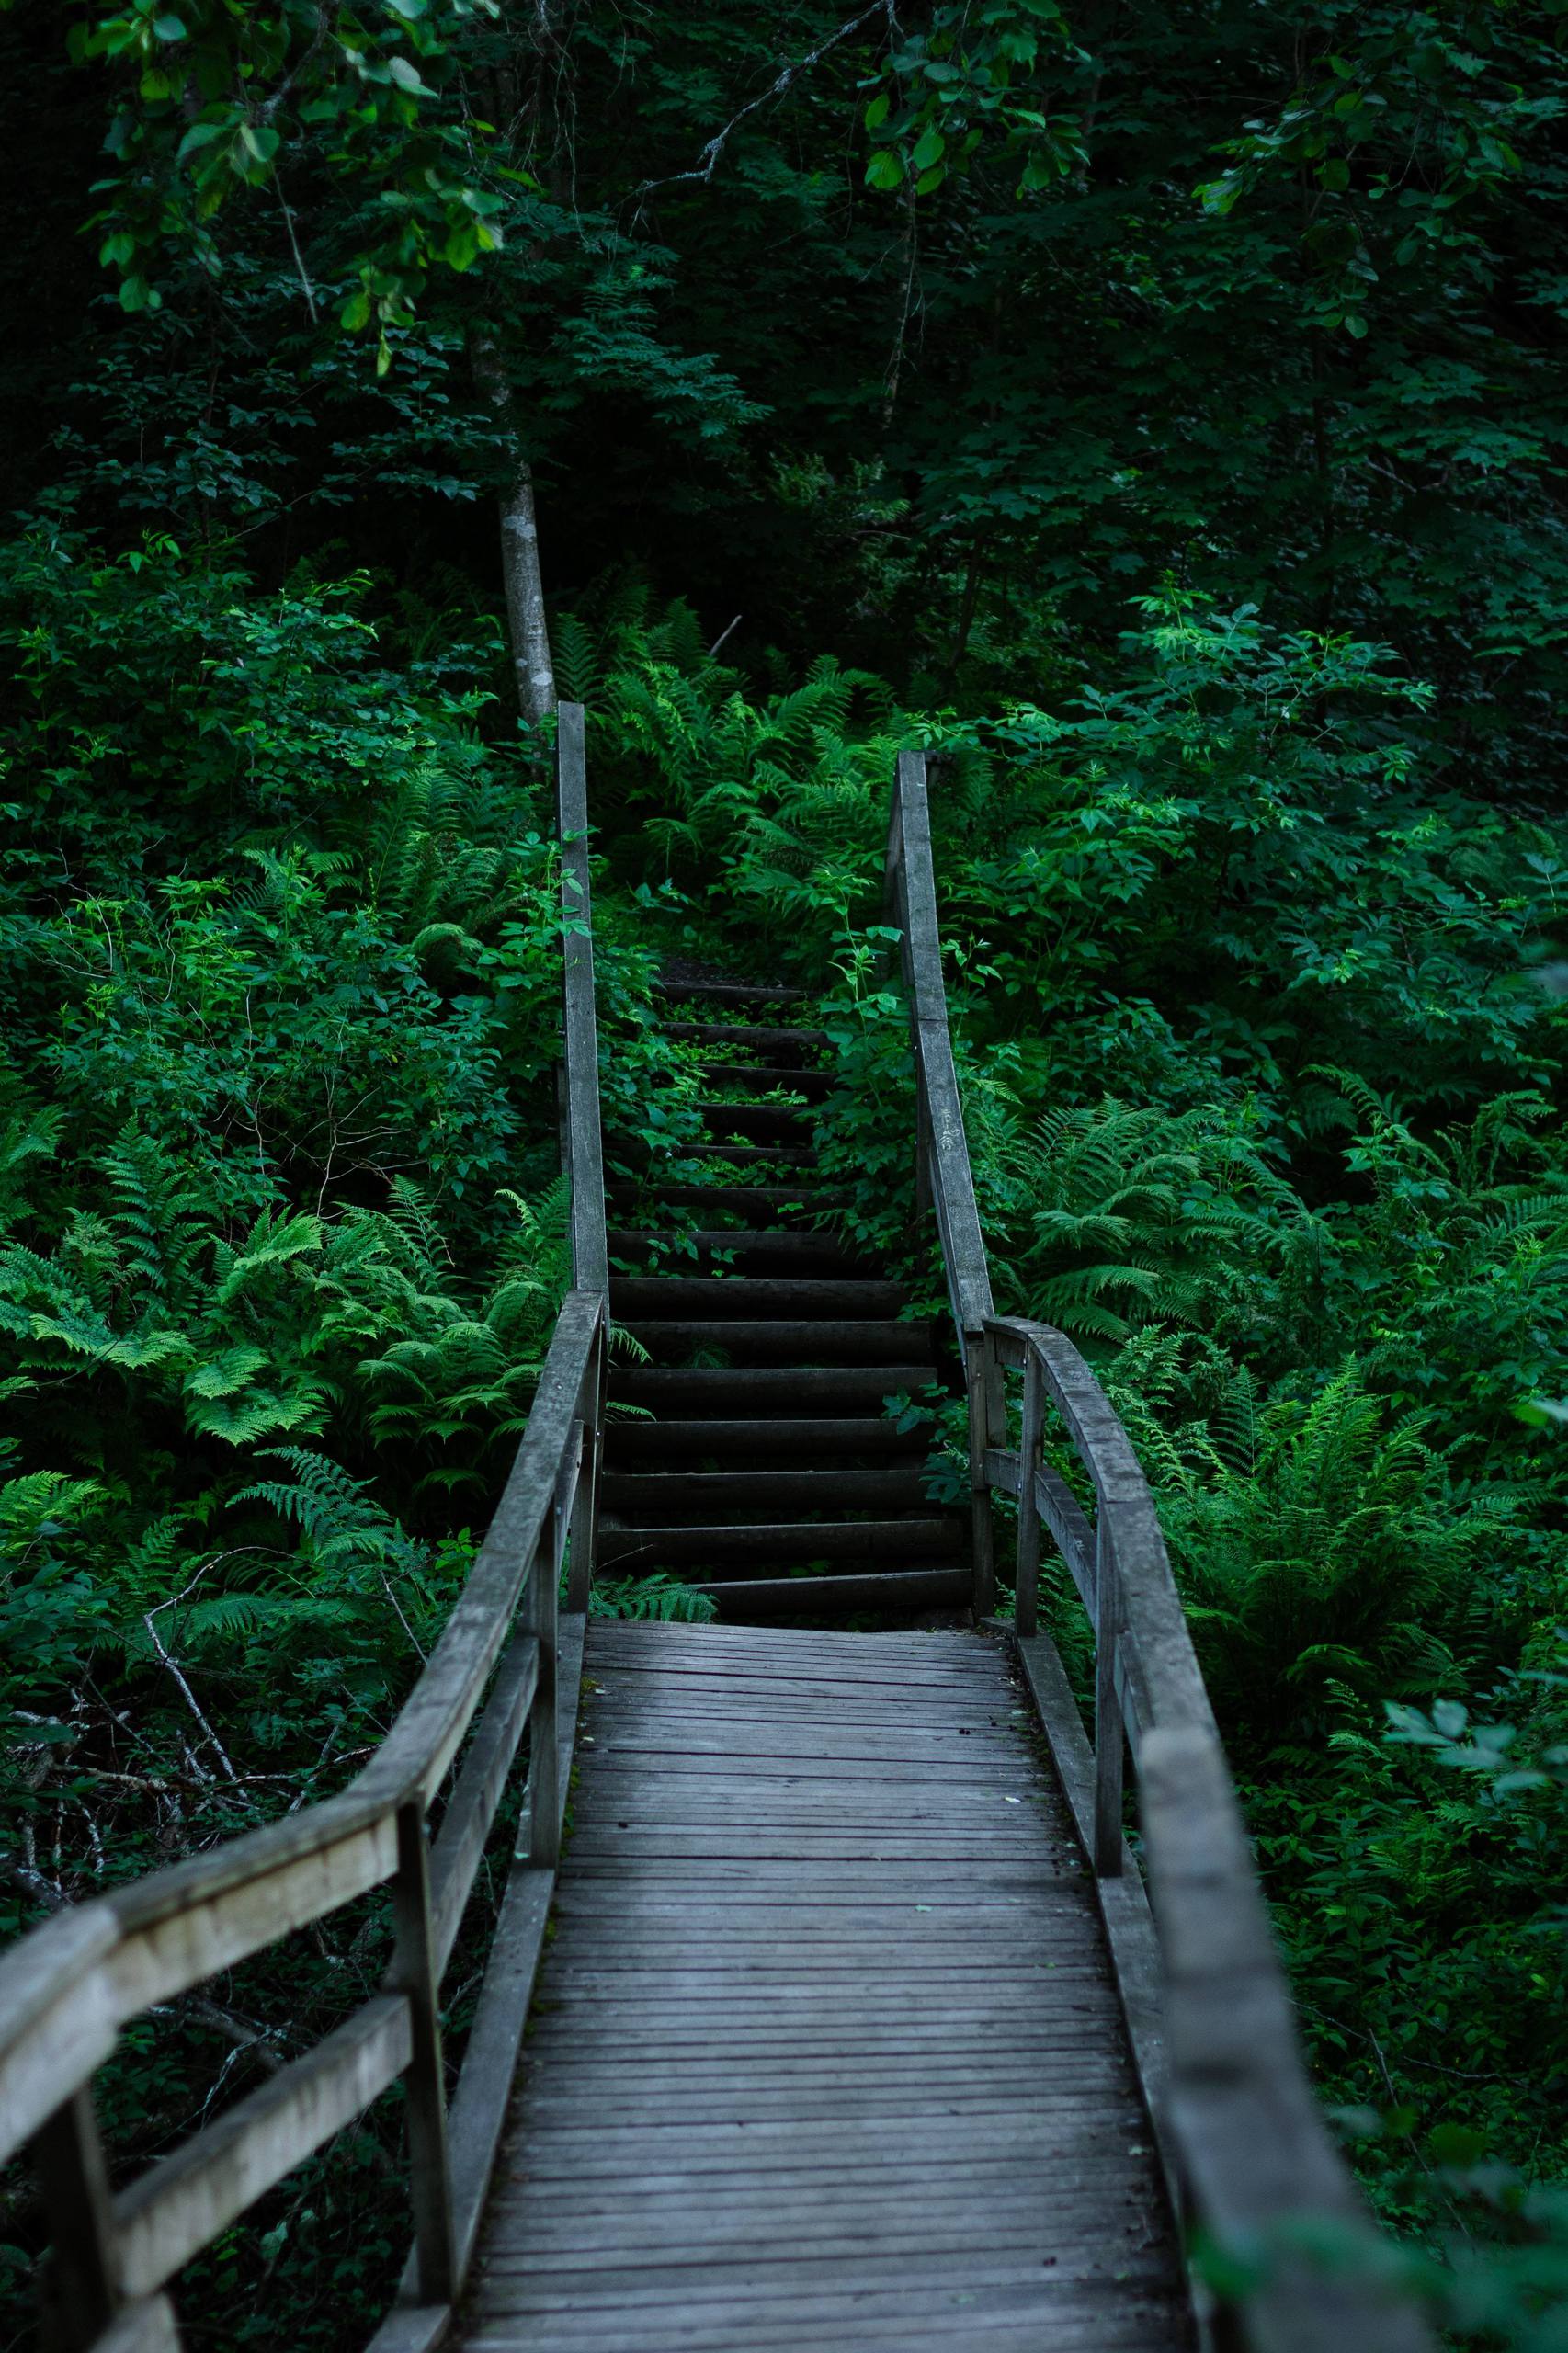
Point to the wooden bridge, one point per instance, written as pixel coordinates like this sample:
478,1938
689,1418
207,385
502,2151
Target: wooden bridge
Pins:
860,2025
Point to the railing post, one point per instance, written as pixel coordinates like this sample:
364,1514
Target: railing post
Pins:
1027,1602
983,1536
585,1151
414,1974
81,2291
543,1842
584,1509
1110,1736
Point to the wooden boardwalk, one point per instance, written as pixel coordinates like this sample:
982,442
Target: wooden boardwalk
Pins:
826,2050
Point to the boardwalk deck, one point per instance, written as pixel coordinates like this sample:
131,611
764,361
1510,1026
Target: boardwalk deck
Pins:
827,2050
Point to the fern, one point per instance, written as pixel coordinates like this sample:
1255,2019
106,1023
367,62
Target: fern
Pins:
659,1597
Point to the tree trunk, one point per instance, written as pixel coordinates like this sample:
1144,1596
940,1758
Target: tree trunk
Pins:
519,539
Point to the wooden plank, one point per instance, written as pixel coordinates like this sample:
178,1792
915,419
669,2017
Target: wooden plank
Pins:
412,2329
146,2327
199,1917
58,2019
466,1823
181,2205
856,2013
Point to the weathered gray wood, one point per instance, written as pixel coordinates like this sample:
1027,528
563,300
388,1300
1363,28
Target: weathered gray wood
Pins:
180,2207
83,2290
1250,2132
584,1169
466,1824
912,1538
1237,2088
412,2329
705,2012
57,2021
887,1591
1110,1736
416,1975
145,2327
942,1165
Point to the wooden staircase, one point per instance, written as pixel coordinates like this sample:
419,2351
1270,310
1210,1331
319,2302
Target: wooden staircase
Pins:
769,1473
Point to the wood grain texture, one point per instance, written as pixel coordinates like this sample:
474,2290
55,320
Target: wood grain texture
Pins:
820,2061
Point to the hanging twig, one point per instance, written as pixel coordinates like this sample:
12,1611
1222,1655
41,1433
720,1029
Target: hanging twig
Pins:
307,289
708,160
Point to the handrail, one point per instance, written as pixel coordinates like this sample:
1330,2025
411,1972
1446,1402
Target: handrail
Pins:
1251,2153
943,1180
68,1987
582,1149
582,1146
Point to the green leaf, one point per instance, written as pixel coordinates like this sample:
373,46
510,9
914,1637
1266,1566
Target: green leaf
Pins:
259,141
886,169
355,311
406,75
929,148
169,28
877,112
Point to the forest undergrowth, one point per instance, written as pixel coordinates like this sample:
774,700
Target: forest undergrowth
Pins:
1155,410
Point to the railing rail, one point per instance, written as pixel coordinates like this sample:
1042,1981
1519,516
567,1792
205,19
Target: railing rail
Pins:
505,1660
1246,2143
943,1181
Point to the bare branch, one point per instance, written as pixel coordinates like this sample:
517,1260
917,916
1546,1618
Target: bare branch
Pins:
708,160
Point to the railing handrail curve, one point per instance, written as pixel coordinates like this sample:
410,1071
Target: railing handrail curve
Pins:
1251,2148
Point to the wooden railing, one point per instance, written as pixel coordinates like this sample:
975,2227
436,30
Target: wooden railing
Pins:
940,1150
505,1661
1208,2013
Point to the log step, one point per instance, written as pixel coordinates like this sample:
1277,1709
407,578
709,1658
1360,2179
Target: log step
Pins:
730,992
664,1495
755,1034
912,1538
763,1076
758,1122
823,1340
785,1251
633,1443
743,1200
634,1297
772,1156
806,1390
889,1592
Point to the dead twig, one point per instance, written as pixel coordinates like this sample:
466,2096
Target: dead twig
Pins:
708,160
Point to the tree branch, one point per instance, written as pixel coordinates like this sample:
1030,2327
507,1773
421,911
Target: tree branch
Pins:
708,160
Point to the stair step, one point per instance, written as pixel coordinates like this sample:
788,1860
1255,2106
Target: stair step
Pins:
784,1251
763,1076
894,1592
804,1390
731,992
913,1537
743,1200
755,1034
825,1340
758,1122
634,1297
659,1494
750,1155
632,1443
